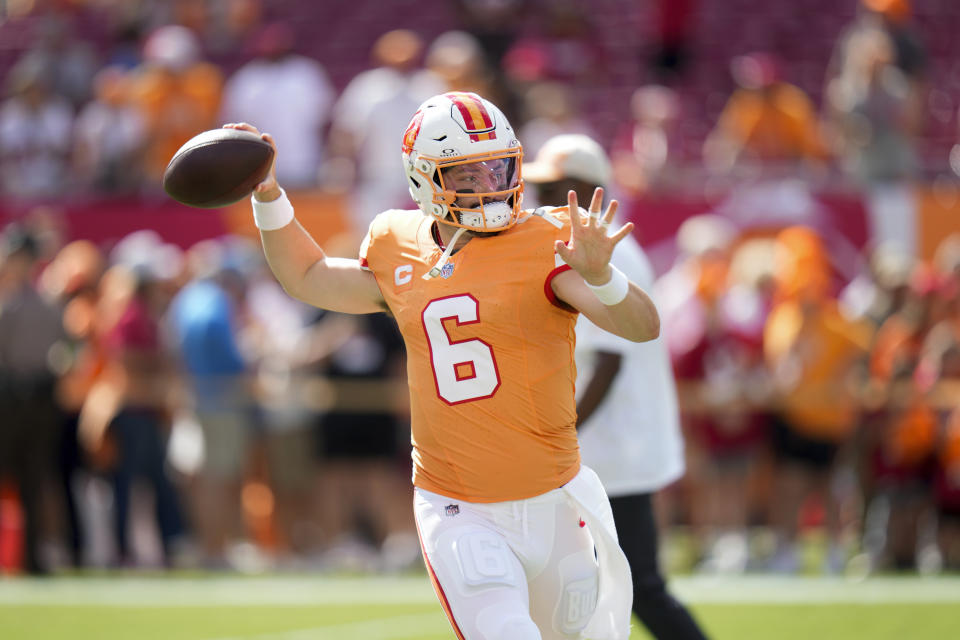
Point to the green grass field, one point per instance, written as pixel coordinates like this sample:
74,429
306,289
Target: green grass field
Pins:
325,608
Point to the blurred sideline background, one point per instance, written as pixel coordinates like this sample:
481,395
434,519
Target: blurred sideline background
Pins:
792,168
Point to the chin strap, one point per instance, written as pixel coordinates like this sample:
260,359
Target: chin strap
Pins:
543,213
435,271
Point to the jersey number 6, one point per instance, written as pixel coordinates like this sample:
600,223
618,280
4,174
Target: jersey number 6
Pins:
464,370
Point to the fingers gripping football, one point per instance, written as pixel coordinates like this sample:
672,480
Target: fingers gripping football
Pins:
268,189
589,249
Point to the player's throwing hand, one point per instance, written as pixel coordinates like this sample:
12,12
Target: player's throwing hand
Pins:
268,189
589,249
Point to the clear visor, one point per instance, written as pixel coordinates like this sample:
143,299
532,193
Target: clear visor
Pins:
481,181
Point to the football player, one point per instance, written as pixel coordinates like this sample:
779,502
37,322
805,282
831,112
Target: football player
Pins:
517,535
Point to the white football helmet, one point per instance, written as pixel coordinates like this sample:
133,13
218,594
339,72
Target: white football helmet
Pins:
459,143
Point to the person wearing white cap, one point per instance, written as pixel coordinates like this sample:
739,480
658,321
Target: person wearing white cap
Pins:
564,162
627,414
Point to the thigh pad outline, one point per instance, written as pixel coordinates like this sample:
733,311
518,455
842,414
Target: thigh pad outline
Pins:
578,600
485,559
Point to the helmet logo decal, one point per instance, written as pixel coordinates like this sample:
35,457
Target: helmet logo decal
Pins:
413,130
476,121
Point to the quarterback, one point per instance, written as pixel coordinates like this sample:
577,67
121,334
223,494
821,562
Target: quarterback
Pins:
517,536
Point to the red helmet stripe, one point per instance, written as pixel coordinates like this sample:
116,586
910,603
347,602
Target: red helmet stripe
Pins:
475,115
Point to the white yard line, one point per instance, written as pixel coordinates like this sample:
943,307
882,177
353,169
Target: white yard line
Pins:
206,592
326,591
816,590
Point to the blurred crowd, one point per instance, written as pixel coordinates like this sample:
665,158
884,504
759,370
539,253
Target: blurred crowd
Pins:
814,401
187,391
162,405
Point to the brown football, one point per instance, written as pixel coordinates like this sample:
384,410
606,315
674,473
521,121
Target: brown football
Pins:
217,168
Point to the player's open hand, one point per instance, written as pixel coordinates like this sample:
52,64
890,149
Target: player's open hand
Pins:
589,249
269,189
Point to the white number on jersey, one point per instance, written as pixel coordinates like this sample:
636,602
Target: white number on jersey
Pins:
464,370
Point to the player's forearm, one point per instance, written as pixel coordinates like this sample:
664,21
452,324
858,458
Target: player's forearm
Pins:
292,254
635,318
309,275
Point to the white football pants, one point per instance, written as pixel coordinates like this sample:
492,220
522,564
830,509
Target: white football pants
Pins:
518,570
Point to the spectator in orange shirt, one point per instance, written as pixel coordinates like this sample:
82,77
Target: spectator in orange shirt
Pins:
766,120
901,339
71,279
813,353
177,93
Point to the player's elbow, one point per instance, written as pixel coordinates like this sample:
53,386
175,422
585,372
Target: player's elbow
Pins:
293,290
296,282
647,329
648,333
655,329
293,286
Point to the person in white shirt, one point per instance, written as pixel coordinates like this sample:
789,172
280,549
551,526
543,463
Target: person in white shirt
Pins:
368,118
627,415
289,95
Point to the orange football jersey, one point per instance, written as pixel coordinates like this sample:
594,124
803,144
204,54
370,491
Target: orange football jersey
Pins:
489,356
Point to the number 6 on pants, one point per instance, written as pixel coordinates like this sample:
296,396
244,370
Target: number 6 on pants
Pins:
484,559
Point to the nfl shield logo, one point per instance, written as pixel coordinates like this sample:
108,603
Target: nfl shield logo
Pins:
447,270
452,509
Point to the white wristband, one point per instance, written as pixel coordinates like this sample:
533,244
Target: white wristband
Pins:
272,215
614,290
